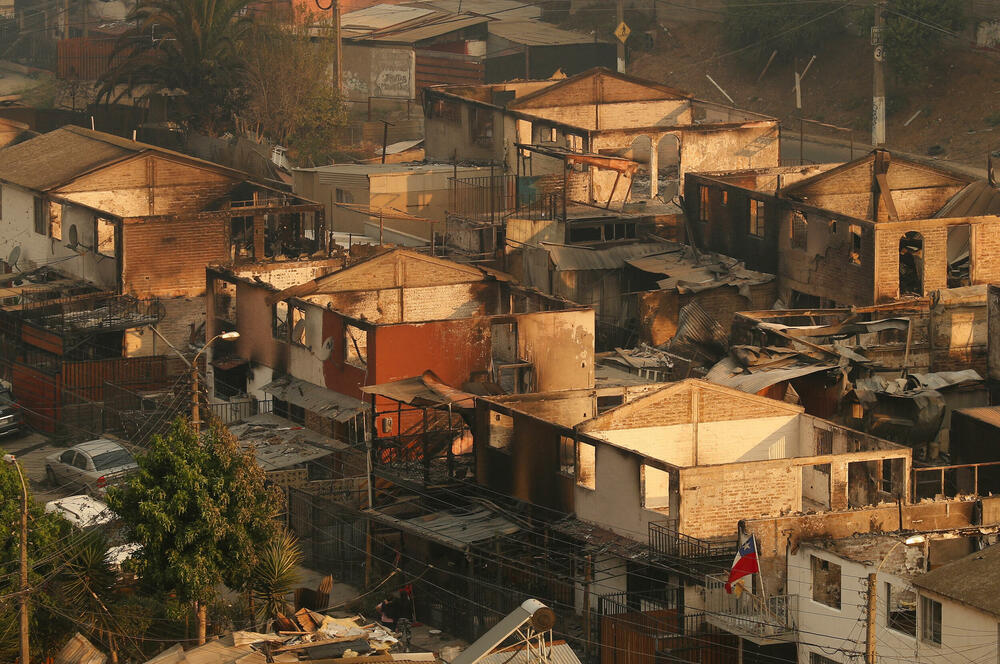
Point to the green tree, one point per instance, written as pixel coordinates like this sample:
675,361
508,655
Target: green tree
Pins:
274,576
199,507
790,26
290,96
915,34
48,534
190,46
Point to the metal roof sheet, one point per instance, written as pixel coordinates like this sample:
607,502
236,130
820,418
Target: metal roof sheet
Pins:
559,653
378,17
988,414
430,29
323,402
537,33
497,10
498,633
976,199
424,390
689,272
567,258
80,651
730,374
972,580
456,529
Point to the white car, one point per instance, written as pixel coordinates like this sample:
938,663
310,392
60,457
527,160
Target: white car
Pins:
82,511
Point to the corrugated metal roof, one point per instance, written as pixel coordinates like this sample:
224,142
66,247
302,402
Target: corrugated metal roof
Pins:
497,10
730,374
498,633
454,529
568,258
379,17
424,390
559,653
691,273
537,33
80,651
976,199
278,443
323,402
988,414
430,30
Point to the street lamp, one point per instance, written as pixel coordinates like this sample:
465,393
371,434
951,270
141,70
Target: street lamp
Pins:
23,597
193,366
870,656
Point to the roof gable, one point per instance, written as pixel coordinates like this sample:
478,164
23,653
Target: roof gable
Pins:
972,580
685,402
596,86
398,268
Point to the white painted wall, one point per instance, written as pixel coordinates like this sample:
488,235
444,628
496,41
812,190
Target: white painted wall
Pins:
17,228
756,439
258,377
303,362
967,635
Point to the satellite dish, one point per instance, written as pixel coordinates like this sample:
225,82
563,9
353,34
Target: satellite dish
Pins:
74,239
299,331
14,256
326,350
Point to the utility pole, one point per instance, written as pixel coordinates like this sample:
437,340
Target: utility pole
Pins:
338,47
195,415
23,595
878,93
870,619
620,14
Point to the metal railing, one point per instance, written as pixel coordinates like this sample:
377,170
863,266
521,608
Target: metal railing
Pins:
665,539
100,312
484,198
975,479
748,613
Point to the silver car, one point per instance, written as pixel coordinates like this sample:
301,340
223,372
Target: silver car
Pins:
91,466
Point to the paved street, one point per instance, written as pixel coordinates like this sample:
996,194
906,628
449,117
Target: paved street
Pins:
31,449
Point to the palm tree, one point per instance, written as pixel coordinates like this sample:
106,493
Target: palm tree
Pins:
274,576
187,47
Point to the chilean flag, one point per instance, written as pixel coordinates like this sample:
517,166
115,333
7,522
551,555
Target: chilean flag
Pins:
744,563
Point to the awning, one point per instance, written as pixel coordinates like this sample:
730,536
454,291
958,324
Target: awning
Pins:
456,529
424,390
323,402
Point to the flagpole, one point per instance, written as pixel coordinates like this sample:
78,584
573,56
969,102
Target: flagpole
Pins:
760,568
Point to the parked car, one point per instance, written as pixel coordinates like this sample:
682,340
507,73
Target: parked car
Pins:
82,511
11,418
91,466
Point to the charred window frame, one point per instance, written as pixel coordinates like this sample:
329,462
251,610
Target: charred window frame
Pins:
39,211
901,610
826,585
586,465
755,218
799,231
297,319
355,346
279,321
104,234
481,126
567,456
440,109
703,199
241,237
224,300
855,232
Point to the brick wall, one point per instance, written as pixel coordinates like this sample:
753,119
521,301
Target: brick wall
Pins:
168,257
713,499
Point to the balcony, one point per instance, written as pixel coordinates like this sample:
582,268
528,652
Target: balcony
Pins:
698,556
762,620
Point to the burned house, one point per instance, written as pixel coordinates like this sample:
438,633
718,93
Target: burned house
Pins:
137,220
870,231
598,112
391,316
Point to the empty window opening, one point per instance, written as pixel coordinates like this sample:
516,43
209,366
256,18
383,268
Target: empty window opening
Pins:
930,620
863,482
825,582
224,300
892,479
959,256
355,346
703,204
343,196
298,322
501,431
755,220
40,215
609,402
586,465
911,264
855,232
481,126
567,456
290,411
105,234
655,489
279,320
241,237
55,220
901,610
816,487
799,231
